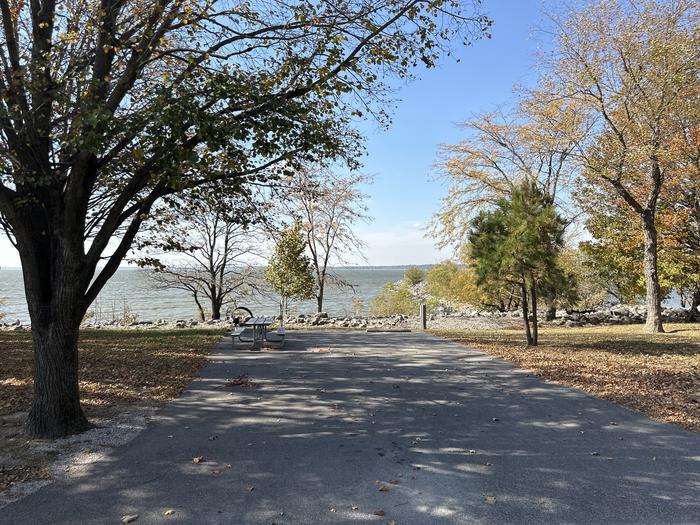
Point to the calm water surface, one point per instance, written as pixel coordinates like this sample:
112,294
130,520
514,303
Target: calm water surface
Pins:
132,287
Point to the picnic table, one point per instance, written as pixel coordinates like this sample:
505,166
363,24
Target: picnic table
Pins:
259,328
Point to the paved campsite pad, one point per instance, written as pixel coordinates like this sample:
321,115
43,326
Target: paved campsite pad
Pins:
372,428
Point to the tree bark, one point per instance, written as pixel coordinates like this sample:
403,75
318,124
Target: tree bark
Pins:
319,297
533,295
215,309
526,314
202,315
51,267
651,276
216,300
55,410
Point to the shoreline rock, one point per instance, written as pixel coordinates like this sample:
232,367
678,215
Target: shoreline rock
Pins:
442,318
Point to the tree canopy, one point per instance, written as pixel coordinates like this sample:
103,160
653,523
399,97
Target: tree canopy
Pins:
108,107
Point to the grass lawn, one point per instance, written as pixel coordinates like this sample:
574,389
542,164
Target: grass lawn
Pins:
656,374
118,368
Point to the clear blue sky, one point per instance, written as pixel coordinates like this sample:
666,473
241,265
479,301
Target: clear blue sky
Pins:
405,194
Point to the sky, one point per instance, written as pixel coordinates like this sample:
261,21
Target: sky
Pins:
405,193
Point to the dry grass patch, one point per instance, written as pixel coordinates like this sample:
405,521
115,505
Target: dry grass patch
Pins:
656,374
118,368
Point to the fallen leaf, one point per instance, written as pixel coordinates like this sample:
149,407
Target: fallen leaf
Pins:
168,512
384,488
379,512
391,522
129,518
394,481
491,500
354,507
250,488
243,380
199,459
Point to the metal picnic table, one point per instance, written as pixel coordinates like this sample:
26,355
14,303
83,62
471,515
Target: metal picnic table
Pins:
259,326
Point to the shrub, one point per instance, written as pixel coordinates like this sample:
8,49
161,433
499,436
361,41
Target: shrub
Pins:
440,280
413,275
393,300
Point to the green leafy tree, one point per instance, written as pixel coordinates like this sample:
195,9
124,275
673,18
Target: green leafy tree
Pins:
518,243
413,275
109,107
451,281
289,271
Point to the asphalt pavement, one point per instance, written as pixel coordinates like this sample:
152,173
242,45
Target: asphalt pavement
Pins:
403,428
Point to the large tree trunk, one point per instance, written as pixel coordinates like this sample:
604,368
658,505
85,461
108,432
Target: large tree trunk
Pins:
55,301
56,407
216,300
51,252
651,276
216,308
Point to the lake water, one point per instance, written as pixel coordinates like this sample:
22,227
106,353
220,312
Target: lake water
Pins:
132,287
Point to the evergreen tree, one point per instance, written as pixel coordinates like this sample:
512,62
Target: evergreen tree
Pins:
289,272
518,243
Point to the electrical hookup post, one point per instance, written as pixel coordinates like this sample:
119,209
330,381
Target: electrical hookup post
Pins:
423,317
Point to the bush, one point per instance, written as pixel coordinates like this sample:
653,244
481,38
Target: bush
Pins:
393,300
440,280
413,275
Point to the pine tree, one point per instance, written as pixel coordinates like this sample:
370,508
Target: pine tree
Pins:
518,243
289,271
